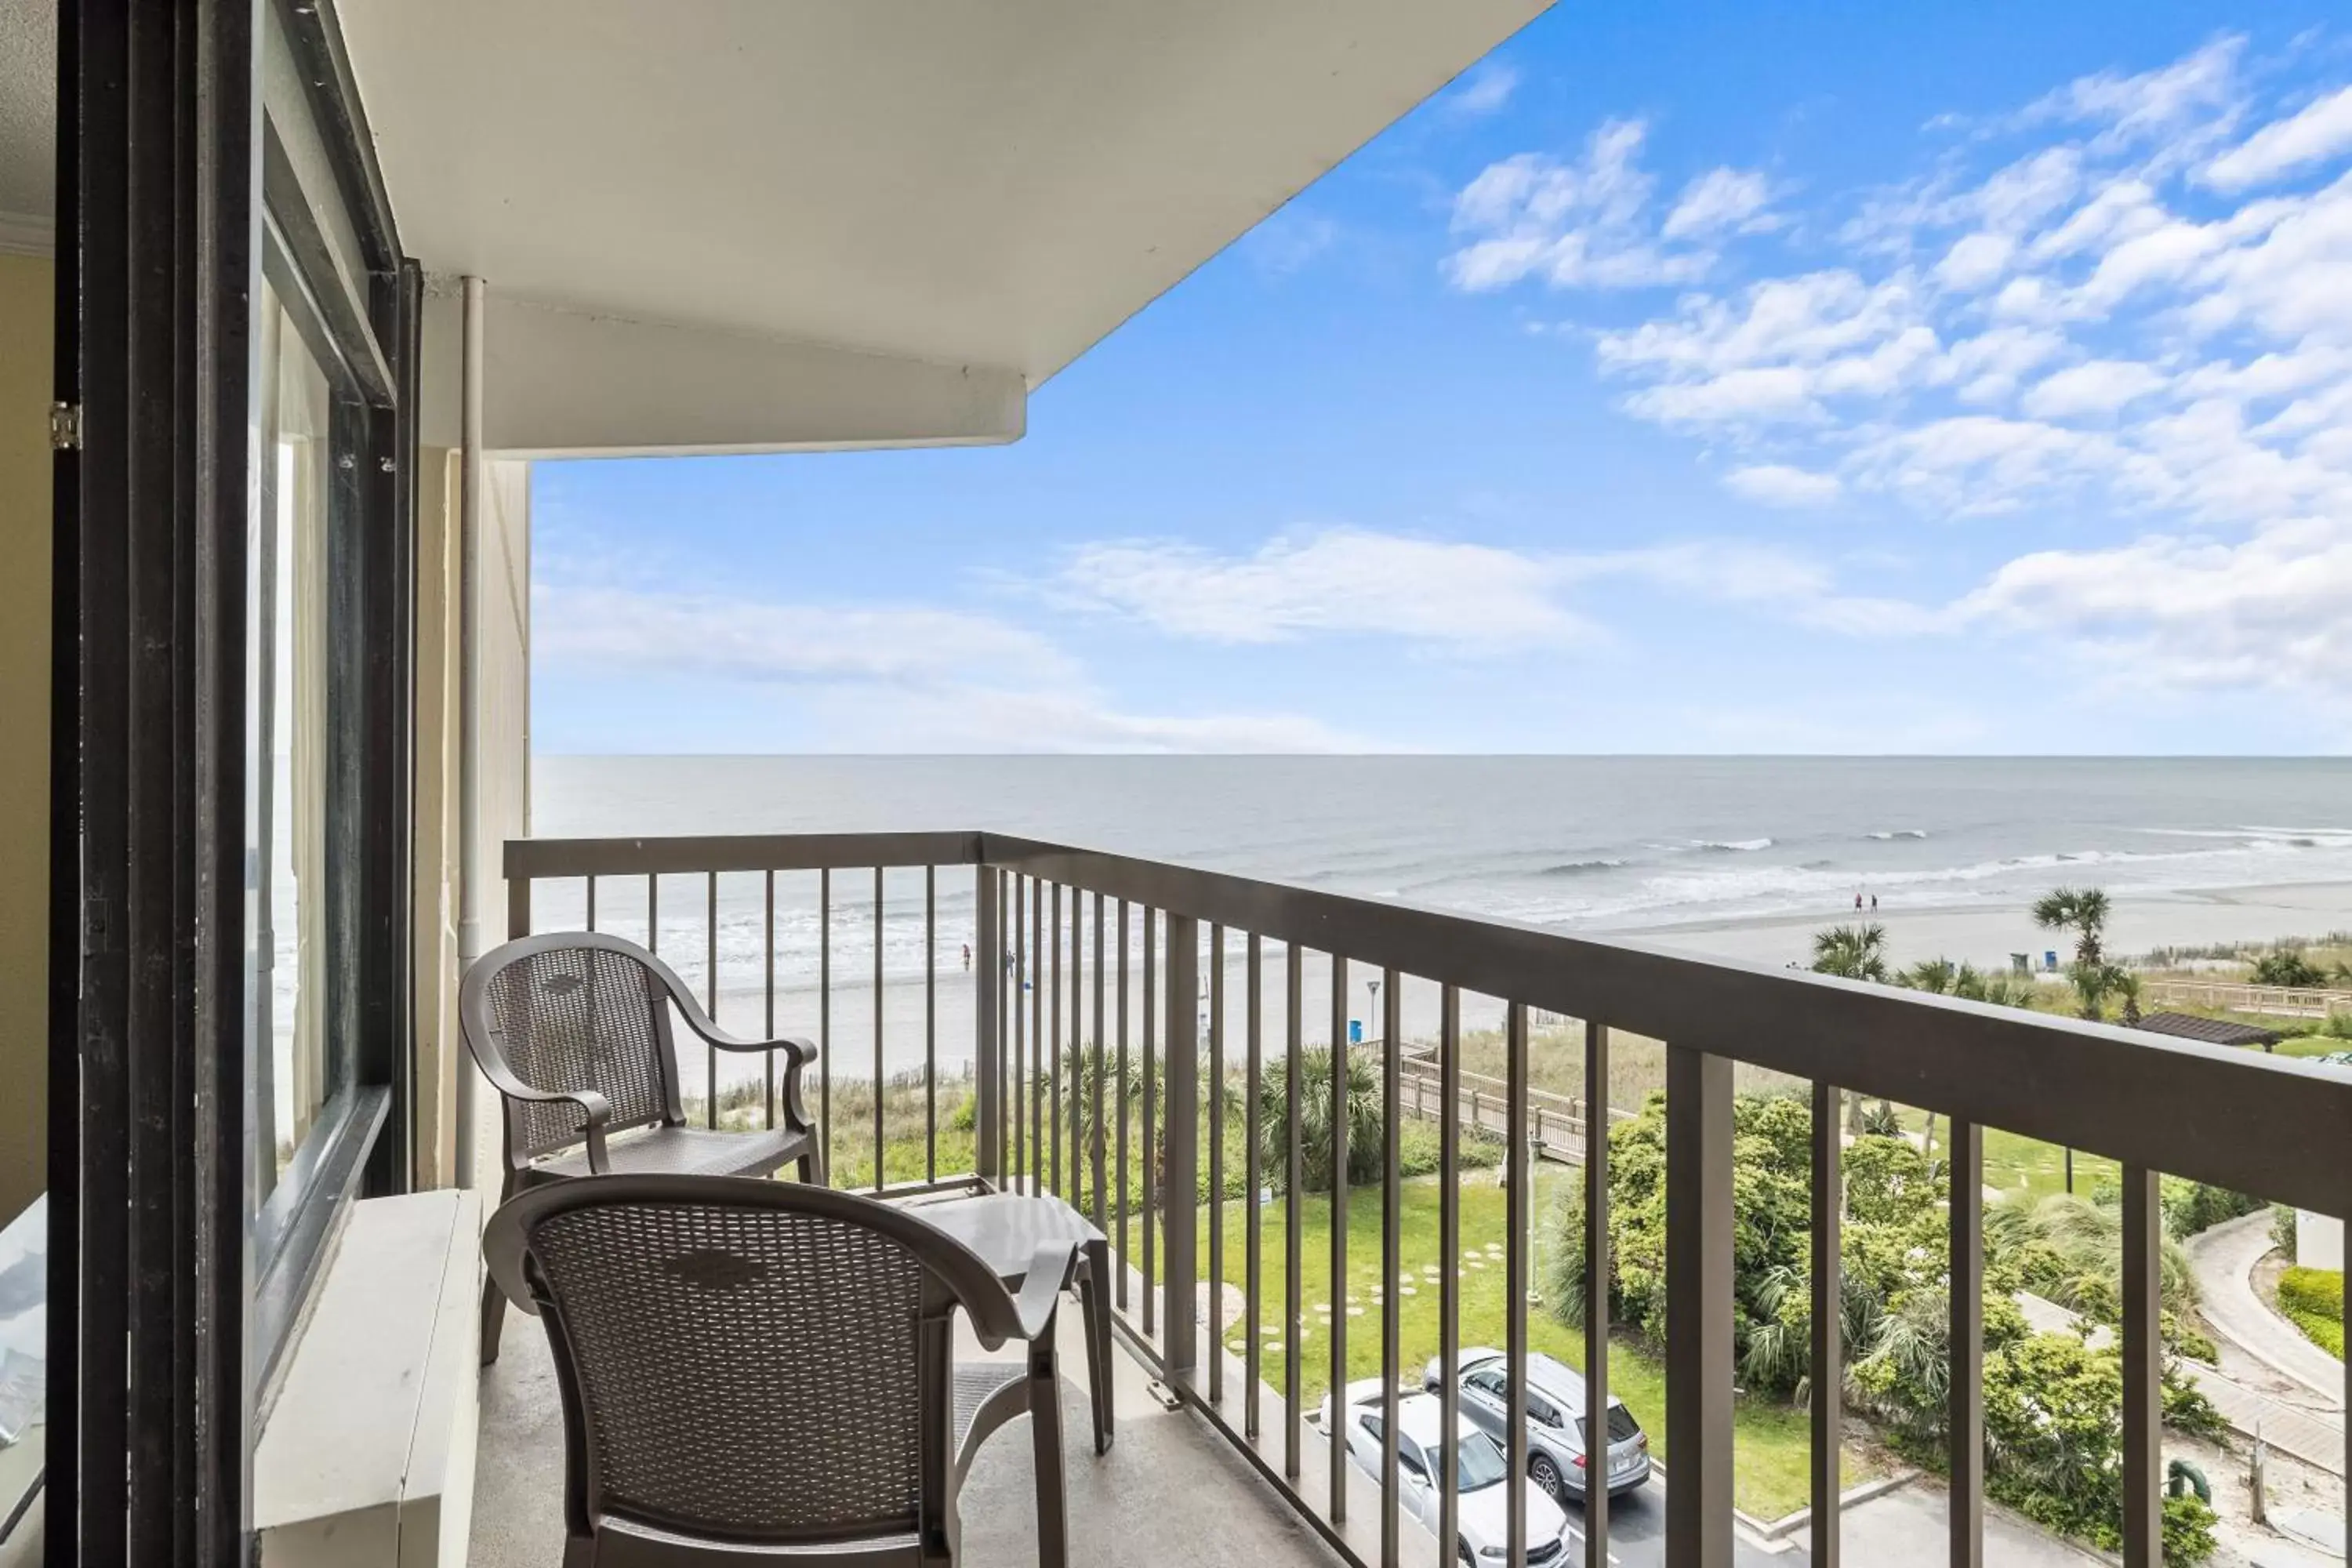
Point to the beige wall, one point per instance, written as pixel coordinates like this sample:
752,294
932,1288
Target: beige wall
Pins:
27,290
504,671
437,1044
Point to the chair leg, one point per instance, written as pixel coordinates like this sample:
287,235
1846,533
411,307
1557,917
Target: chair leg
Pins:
494,1301
1094,1306
1046,1434
811,1167
494,1317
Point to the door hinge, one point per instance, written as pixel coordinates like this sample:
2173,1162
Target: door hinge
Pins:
64,426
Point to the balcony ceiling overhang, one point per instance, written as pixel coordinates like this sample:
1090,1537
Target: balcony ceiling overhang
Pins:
988,188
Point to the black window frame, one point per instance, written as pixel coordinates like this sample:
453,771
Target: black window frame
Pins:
158,1343
365,332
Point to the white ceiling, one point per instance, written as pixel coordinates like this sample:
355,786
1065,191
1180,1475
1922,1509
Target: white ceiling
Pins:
991,184
28,108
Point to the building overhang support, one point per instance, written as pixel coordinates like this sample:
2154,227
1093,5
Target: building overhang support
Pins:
568,383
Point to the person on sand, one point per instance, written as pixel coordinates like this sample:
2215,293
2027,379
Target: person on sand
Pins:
1873,903
966,958
1857,900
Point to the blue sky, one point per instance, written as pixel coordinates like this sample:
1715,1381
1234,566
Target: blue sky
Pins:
1801,378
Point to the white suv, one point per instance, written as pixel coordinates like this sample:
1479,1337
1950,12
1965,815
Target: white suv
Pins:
1484,1527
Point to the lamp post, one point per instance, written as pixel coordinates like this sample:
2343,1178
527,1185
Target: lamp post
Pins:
1371,1019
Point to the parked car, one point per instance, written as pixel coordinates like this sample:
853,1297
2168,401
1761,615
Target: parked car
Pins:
1480,1512
1557,1448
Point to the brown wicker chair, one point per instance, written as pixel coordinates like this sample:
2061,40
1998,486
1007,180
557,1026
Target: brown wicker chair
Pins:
764,1372
574,1030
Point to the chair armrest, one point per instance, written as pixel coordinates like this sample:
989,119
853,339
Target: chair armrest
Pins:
799,1056
594,1108
1041,1286
802,1051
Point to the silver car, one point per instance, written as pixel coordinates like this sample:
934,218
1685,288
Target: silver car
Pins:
1557,1450
1483,1516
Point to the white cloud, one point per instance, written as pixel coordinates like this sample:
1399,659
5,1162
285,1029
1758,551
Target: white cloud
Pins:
2196,611
2099,386
2193,99
2322,130
2103,333
1778,356
1473,600
1974,261
751,639
1582,224
1485,90
1719,200
1778,484
895,678
1466,598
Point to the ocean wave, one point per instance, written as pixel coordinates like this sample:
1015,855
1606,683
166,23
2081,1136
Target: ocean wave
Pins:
1579,867
1899,833
1730,845
1672,897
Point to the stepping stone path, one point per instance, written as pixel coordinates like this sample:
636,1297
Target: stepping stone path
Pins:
1407,1290
1355,1311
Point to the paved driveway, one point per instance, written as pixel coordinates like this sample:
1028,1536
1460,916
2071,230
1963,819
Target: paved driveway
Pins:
2221,1258
1910,1525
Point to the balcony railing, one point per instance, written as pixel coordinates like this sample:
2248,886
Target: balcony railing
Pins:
1105,992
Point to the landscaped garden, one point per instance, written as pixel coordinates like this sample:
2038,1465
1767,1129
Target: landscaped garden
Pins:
2313,1300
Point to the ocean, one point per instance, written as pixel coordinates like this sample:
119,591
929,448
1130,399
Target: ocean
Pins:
1641,846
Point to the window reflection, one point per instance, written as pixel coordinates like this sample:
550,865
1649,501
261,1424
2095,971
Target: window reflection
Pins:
289,674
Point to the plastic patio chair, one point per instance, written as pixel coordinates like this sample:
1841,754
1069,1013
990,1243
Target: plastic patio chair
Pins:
574,1030
764,1372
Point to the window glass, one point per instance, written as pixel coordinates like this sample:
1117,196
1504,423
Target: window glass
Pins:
1480,1461
1489,1383
302,1057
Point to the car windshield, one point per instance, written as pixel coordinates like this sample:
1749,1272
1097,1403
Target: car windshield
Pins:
1481,1460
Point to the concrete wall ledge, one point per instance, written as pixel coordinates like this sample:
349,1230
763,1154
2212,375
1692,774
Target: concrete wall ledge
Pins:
368,1456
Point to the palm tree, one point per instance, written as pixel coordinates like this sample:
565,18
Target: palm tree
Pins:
2083,911
1937,976
2124,984
1853,952
1856,952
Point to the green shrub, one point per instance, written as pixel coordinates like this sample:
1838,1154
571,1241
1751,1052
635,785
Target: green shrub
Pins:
2290,969
2282,1229
2313,1299
2192,1206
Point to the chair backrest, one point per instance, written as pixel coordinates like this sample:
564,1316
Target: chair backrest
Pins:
567,1010
752,1363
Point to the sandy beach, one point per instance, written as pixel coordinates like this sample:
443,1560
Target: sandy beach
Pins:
1984,936
2142,920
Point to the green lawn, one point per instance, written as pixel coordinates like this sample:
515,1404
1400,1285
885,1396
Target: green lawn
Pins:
1771,1442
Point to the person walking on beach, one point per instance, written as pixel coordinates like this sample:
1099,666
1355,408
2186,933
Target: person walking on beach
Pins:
966,958
1873,903
1857,900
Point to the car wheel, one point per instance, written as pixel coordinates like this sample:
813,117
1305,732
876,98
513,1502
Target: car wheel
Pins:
1545,1474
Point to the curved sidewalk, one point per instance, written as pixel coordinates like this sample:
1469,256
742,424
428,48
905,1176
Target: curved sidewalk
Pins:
2223,1258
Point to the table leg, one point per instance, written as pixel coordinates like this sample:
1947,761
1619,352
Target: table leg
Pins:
1094,1304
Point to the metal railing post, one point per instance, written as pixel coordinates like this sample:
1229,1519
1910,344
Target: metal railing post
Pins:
1964,1407
1180,1177
988,1042
2143,1369
1698,1308
1828,1361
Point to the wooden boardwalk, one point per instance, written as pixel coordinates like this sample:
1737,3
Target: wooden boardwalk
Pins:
1554,1122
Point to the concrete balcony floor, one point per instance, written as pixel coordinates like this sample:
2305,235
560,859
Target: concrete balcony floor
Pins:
1170,1492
